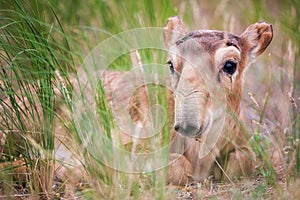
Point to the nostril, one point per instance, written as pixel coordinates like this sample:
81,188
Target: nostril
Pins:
176,127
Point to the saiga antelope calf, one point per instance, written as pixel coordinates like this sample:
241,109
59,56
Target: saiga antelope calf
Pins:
194,59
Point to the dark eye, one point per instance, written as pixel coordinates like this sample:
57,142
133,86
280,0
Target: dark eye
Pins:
229,67
171,66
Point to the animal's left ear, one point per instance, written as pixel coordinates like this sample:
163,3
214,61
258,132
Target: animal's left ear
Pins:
173,30
257,38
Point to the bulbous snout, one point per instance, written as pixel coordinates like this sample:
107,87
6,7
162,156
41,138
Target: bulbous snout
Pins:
191,103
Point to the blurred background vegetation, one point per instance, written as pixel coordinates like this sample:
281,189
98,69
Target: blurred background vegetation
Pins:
42,43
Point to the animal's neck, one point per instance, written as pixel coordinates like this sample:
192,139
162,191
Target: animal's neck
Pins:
234,98
234,102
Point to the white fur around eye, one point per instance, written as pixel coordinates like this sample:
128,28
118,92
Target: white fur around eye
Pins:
234,75
226,53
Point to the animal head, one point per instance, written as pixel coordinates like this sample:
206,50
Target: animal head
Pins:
203,59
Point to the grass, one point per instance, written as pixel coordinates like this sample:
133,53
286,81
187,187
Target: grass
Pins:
30,58
42,45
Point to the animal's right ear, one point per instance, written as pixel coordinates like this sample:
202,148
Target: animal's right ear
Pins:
173,30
